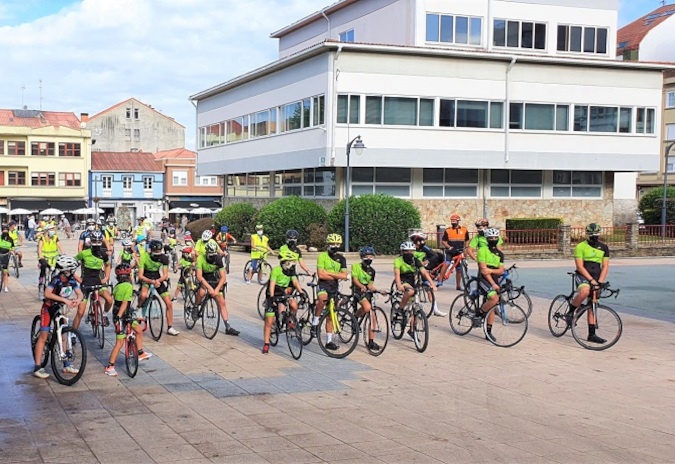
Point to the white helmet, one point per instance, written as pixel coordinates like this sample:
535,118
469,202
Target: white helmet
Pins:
407,246
66,263
206,235
491,232
127,243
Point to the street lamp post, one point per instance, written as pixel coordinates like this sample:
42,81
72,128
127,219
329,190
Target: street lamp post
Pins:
665,192
358,146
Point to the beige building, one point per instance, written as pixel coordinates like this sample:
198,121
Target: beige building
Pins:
132,126
45,158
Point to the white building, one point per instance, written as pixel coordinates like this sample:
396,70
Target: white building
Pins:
502,108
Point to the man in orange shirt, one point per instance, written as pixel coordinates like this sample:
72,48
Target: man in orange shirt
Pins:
455,238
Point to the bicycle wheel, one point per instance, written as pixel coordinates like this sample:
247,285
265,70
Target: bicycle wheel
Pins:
397,322
608,327
509,325
305,324
345,335
92,314
74,353
518,296
377,323
293,337
189,309
210,317
155,317
274,332
427,299
227,263
420,331
264,271
100,335
41,290
131,356
557,323
262,302
15,263
247,268
34,334
461,316
471,292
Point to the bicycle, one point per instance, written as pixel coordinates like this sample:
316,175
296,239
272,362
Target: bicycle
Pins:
130,347
152,312
286,323
224,246
377,322
514,293
457,261
95,312
44,281
427,297
608,323
263,270
14,263
510,322
60,346
208,310
414,309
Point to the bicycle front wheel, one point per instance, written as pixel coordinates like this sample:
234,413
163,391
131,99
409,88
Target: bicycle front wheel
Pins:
508,327
227,263
210,317
375,331
15,262
155,318
608,327
100,335
293,337
461,316
92,314
68,366
264,271
131,356
420,331
397,322
262,302
247,269
34,334
427,299
344,337
305,324
557,323
189,309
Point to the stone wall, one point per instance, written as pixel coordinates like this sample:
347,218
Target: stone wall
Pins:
625,211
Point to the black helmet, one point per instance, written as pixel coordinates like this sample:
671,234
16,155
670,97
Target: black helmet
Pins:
96,236
156,245
292,235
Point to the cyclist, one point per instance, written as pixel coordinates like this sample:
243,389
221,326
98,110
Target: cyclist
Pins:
123,294
224,237
6,246
200,247
292,246
127,254
95,271
49,247
491,266
430,259
455,239
187,239
142,228
406,268
211,274
171,242
259,245
165,225
363,280
153,269
16,238
331,268
478,240
89,228
186,263
109,233
61,287
282,283
591,258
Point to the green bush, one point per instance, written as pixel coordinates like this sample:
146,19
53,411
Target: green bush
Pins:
290,213
380,221
197,227
651,205
316,235
239,218
533,223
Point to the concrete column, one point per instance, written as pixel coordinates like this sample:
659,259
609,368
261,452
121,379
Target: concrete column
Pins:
632,235
564,239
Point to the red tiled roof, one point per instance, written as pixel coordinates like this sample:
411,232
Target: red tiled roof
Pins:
629,37
124,162
138,102
14,118
175,153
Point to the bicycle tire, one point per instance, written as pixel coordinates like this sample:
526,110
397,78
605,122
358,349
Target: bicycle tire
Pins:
461,316
92,314
293,337
77,356
557,324
227,263
305,324
397,322
210,317
380,330
15,262
34,334
427,299
262,301
247,268
345,340
100,335
274,332
264,272
608,326
131,356
518,297
155,318
420,331
189,308
509,326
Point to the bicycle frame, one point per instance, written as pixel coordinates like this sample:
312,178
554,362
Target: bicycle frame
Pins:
59,323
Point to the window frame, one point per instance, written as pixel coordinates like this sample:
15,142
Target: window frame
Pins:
70,149
44,179
148,183
470,24
347,36
13,178
106,180
382,184
571,185
19,148
128,180
449,184
491,107
567,48
536,25
177,174
70,179
670,100
510,185
42,149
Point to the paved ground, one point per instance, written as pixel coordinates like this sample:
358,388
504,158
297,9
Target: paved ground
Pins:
544,401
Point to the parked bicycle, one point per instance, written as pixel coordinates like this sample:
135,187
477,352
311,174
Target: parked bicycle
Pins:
374,324
286,323
95,312
263,270
457,262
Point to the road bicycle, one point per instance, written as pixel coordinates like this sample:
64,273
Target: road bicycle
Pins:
374,324
302,298
14,263
456,264
130,347
414,311
510,322
95,312
173,260
286,322
151,313
208,310
44,281
608,324
224,246
425,295
189,286
65,344
263,270
512,294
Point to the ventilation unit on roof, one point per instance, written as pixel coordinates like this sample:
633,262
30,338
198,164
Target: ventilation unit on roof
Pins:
27,113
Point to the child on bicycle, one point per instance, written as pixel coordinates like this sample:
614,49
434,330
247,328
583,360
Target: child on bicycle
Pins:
406,268
57,293
292,246
491,267
16,238
282,283
431,260
363,280
122,311
211,274
259,246
95,271
224,237
127,254
153,269
6,246
186,264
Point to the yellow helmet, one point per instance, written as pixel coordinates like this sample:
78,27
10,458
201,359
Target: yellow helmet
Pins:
334,238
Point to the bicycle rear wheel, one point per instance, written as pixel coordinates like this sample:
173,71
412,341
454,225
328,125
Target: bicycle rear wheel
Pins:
15,263
608,327
210,317
397,322
131,356
189,308
264,271
262,302
377,323
247,269
34,334
155,318
100,335
420,331
461,316
345,335
305,324
557,323
293,337
509,325
74,353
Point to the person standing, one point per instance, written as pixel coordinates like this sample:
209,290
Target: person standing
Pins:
184,223
30,229
455,240
65,225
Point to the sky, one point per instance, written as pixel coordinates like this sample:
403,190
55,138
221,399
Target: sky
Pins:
93,54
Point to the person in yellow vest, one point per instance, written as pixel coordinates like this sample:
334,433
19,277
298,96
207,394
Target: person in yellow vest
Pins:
259,246
16,238
6,246
49,248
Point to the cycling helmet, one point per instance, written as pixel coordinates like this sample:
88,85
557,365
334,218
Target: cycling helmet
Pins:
211,248
12,223
258,227
417,236
491,232
224,229
455,217
111,220
126,243
188,234
407,246
122,269
187,250
206,235
335,239
288,255
156,245
366,250
140,218
66,263
593,229
96,236
292,234
482,223
172,231
100,222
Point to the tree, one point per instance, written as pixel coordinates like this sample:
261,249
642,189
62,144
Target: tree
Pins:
651,206
291,213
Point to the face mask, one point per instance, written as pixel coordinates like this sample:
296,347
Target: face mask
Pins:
481,233
259,232
96,249
128,250
291,242
593,239
51,233
211,258
367,262
408,258
454,225
156,257
90,228
332,250
492,243
289,271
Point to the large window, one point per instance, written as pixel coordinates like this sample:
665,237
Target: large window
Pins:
645,120
291,116
127,183
313,182
456,183
464,30
582,39
70,179
400,111
517,34
137,135
69,149
517,184
206,180
261,126
581,184
16,178
318,104
16,148
42,148
213,133
670,99
147,182
389,181
2,147
43,179
347,36
670,132
179,178
106,182
348,109
539,116
471,113
235,129
608,119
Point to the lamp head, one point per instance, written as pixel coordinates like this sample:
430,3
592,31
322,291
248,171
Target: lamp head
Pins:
358,146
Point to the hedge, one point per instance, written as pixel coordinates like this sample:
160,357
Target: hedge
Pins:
197,227
533,223
240,219
292,212
651,205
